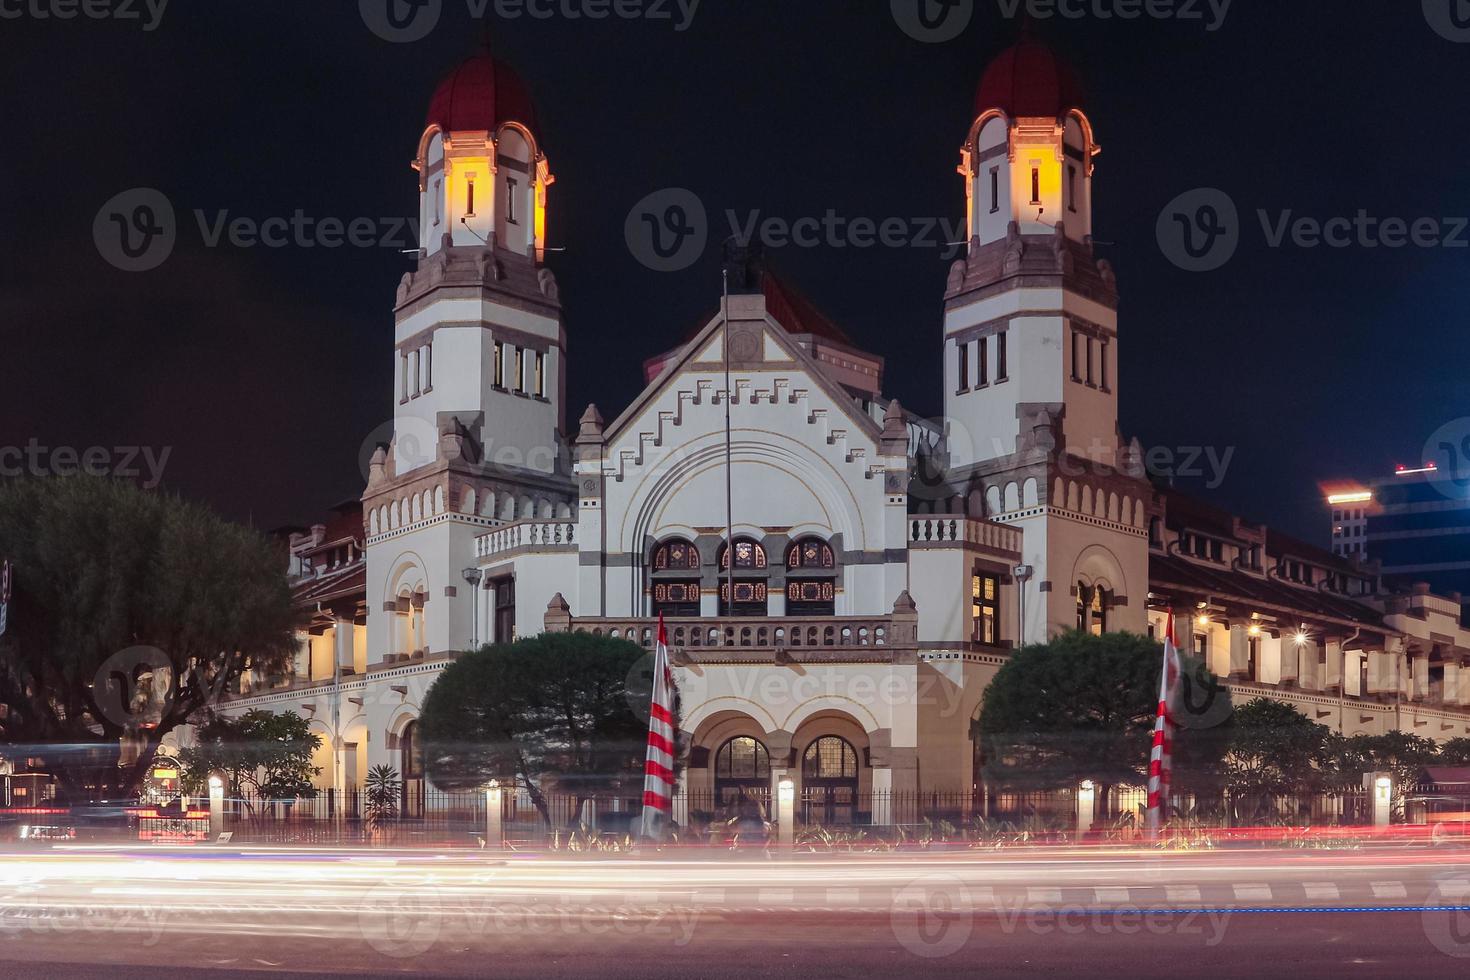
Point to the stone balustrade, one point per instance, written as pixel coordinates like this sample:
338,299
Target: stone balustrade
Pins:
531,534
958,530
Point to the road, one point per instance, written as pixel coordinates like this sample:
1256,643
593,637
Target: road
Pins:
136,913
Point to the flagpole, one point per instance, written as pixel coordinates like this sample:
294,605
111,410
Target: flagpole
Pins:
729,479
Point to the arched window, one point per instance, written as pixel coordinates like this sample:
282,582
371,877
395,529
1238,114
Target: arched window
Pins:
748,555
411,752
742,768
829,777
829,758
810,553
674,588
811,584
1094,604
750,580
674,556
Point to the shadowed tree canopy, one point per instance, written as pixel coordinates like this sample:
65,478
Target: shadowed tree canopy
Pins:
1274,748
558,710
131,611
264,756
1083,707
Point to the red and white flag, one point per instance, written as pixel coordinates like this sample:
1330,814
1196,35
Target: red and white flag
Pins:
1160,761
658,767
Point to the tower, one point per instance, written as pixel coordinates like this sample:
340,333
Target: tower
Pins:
478,367
1031,354
1030,313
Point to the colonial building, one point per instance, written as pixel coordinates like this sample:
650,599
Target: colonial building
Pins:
877,569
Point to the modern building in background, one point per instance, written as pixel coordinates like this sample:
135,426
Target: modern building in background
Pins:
1413,526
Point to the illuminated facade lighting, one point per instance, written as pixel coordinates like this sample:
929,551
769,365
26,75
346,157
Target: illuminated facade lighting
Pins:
1357,497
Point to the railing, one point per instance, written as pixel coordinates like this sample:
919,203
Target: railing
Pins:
531,534
958,529
783,633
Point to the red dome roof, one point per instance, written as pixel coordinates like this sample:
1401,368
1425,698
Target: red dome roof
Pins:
480,94
1028,79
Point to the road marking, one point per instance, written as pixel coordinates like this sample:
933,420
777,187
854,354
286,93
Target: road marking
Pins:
1044,896
1320,890
1182,893
842,896
1111,894
1253,893
1455,889
1388,889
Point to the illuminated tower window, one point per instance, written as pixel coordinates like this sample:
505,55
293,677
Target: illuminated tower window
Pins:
469,196
510,200
1035,185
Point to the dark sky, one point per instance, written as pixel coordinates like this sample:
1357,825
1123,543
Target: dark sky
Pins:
264,370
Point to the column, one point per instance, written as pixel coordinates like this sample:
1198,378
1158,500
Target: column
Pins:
1290,658
1334,665
1378,682
1419,677
1452,683
1239,652
1310,678
342,641
882,784
487,623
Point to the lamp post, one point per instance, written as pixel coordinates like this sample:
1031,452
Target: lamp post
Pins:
216,805
494,832
786,814
1086,806
472,576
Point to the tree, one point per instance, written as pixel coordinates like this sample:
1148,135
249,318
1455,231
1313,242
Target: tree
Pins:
383,787
1455,752
260,754
132,610
554,709
1082,707
1273,749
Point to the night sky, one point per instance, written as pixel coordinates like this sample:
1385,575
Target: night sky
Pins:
264,370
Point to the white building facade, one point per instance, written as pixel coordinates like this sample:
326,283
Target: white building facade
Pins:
884,566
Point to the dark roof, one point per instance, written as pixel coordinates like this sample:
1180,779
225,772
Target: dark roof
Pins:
1169,572
1028,79
480,94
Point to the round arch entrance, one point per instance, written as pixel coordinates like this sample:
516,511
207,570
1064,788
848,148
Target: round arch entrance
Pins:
829,781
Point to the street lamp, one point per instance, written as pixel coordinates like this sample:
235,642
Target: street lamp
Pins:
472,576
494,835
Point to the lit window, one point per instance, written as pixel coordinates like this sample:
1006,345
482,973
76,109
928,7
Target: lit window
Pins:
469,196
538,367
675,555
1035,185
498,374
520,378
985,607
